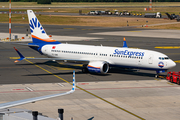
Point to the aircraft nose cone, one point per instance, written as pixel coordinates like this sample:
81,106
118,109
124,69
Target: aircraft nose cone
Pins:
173,64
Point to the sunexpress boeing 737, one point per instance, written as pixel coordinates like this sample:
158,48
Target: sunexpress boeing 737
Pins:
95,59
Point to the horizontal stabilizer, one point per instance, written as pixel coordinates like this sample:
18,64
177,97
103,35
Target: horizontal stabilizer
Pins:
28,44
20,55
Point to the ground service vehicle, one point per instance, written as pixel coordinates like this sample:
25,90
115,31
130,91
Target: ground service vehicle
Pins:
108,12
116,12
91,13
153,15
173,77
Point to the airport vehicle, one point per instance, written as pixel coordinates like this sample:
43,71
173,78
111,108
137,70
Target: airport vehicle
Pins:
95,59
172,16
31,100
108,12
173,77
153,15
125,12
116,12
91,13
98,12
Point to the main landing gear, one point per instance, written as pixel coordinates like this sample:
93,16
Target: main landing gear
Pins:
158,75
84,69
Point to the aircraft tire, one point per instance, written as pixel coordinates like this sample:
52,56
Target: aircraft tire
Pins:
171,79
84,70
178,81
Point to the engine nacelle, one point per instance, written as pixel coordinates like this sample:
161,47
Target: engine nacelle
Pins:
98,67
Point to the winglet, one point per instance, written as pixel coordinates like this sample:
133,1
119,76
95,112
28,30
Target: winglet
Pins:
20,55
74,85
124,43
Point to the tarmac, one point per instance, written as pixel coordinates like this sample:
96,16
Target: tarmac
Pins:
118,95
146,99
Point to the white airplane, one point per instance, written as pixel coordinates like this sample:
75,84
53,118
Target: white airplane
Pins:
96,59
32,100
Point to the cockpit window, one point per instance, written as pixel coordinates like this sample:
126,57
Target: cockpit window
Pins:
163,58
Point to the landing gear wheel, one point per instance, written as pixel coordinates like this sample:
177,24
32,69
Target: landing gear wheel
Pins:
178,81
84,70
156,76
171,79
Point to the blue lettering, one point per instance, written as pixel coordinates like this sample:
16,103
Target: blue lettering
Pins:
130,53
126,52
142,54
116,51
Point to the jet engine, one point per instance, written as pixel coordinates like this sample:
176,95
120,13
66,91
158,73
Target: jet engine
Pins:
101,67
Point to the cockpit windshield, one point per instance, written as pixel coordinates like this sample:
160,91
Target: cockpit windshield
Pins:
163,58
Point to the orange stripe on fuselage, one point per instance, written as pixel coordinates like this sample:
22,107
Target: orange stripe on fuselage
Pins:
46,40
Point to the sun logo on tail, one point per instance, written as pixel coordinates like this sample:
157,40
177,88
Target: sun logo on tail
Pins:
34,24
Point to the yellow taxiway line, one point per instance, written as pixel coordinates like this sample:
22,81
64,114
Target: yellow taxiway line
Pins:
168,47
87,91
178,61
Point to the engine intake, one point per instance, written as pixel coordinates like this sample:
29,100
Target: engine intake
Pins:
98,67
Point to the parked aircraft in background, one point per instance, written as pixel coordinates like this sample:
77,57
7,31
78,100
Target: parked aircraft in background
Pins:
96,59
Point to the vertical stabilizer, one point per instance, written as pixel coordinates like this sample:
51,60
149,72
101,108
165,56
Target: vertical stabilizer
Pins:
124,43
37,31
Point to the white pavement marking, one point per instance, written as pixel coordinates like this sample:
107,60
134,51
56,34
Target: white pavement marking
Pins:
175,34
60,84
28,88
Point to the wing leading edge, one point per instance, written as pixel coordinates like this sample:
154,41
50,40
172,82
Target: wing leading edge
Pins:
30,100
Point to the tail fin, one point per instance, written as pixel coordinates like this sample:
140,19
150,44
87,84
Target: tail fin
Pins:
37,31
169,16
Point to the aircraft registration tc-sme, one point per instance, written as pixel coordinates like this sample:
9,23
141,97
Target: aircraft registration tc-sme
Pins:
95,59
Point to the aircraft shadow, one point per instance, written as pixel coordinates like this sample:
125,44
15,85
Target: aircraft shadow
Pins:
73,66
90,118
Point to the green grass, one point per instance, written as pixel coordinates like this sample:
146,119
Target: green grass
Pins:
95,6
83,20
91,20
92,4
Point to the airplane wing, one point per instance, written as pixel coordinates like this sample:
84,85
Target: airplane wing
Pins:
30,100
22,58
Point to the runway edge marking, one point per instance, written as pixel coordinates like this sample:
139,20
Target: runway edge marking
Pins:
88,92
